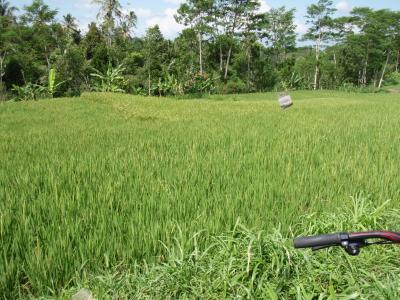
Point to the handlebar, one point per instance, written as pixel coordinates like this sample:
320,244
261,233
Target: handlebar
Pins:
320,240
351,242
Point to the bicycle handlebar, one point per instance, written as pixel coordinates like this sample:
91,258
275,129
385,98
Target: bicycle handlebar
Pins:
391,236
351,242
334,239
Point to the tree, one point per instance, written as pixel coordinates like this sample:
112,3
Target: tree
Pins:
250,36
71,28
7,35
109,14
129,22
92,39
390,26
38,14
396,41
114,20
44,30
319,17
6,10
154,50
280,32
365,33
70,68
197,14
233,17
186,53
377,34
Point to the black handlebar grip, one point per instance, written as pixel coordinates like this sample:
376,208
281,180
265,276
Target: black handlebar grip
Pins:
320,240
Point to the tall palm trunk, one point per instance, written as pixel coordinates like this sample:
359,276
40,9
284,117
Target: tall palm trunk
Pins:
364,73
2,69
200,36
227,63
384,69
47,58
149,83
221,59
248,69
317,53
335,62
364,79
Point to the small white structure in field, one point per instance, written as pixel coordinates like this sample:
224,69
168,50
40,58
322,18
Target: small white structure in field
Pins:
83,294
285,101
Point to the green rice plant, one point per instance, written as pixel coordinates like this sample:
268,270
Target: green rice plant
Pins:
108,188
249,264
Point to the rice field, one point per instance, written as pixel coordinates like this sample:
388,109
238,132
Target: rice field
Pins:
105,189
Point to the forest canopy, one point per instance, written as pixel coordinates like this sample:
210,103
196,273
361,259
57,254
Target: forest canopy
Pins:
227,46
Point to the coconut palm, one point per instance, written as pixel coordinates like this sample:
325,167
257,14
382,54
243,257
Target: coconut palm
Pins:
6,10
110,12
128,22
71,28
69,22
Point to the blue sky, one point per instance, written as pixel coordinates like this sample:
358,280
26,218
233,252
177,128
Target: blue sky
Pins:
151,12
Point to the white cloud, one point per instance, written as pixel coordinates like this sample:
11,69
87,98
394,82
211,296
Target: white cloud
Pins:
168,26
264,6
177,2
301,28
85,4
140,12
88,12
343,6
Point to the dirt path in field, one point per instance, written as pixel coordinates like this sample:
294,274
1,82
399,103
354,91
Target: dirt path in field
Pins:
394,91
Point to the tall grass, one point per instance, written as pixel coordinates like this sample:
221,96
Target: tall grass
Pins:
250,264
92,184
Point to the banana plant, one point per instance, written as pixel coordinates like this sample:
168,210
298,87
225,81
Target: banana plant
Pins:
52,85
294,82
111,81
29,91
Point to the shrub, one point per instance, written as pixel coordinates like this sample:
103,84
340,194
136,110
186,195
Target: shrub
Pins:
393,79
29,91
233,86
200,84
169,86
3,92
294,82
110,81
72,67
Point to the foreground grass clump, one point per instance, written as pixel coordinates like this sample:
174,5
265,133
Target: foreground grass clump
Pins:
91,184
246,264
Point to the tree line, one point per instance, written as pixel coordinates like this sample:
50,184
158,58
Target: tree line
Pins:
227,46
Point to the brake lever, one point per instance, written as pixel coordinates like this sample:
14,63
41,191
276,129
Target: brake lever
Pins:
352,248
320,248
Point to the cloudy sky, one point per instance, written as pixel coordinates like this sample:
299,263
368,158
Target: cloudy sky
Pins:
161,12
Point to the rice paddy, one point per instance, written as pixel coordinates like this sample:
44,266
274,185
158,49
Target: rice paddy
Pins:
106,184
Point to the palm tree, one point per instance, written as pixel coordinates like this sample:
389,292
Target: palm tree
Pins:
110,12
69,22
71,28
6,10
129,21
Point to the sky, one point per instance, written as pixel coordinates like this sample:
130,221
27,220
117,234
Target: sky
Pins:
161,12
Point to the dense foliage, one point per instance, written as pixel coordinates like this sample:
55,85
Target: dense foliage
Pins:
227,47
97,185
